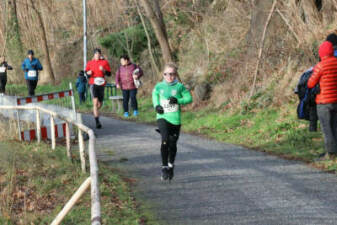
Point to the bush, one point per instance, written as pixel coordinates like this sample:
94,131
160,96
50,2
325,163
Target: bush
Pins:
133,39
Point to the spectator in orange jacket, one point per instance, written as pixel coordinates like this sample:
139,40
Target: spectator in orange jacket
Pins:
325,73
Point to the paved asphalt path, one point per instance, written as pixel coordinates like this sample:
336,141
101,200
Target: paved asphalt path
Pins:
217,183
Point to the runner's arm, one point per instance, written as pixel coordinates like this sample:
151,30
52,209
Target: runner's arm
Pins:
9,67
155,97
186,97
38,65
107,70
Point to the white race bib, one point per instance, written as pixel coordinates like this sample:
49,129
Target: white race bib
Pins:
32,73
99,81
168,108
2,69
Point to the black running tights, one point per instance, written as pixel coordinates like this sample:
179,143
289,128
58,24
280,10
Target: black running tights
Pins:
169,138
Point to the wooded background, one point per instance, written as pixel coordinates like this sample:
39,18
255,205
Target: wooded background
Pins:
221,46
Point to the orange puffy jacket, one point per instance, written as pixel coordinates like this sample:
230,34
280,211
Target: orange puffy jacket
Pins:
325,73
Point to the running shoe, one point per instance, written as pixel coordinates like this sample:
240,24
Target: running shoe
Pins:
170,172
126,114
135,113
164,173
98,125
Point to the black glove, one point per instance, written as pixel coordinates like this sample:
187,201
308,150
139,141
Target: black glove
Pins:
173,100
159,109
26,70
34,67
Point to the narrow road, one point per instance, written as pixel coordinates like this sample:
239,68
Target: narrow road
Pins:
218,183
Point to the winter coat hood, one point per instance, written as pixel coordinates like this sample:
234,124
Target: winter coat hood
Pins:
325,50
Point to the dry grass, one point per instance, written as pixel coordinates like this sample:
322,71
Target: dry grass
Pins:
8,128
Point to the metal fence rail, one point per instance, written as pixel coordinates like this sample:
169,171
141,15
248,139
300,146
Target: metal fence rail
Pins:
95,193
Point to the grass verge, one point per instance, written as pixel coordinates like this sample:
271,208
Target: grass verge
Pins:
36,182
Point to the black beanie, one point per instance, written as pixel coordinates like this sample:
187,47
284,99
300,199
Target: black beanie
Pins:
30,52
332,38
97,50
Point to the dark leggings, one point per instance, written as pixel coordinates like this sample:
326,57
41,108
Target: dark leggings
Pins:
169,138
3,82
81,96
31,84
127,94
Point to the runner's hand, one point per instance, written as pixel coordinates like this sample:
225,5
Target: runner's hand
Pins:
118,86
173,100
89,72
159,109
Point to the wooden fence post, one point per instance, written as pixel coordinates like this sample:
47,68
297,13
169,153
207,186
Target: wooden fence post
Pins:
72,202
52,132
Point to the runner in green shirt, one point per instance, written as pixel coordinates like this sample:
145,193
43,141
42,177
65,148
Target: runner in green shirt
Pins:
167,97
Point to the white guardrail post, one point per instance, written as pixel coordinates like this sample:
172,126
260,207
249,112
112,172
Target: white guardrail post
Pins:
95,194
52,132
38,126
93,180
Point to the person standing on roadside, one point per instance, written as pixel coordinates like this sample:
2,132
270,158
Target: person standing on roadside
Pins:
332,38
81,86
3,74
31,66
325,74
126,76
167,98
97,69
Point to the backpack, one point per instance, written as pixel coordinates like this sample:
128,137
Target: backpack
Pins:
306,95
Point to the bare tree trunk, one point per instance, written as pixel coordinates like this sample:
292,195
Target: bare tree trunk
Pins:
49,68
160,17
153,61
13,41
158,30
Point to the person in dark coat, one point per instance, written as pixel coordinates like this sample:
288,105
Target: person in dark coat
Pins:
81,86
3,74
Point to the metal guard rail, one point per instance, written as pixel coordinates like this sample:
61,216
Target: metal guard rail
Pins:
95,193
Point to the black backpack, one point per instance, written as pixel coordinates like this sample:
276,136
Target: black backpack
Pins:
306,95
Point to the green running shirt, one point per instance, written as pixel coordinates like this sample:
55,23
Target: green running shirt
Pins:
160,95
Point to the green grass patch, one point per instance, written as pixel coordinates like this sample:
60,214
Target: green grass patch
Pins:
36,182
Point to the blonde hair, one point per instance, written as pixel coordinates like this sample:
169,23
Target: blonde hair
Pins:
175,67
172,66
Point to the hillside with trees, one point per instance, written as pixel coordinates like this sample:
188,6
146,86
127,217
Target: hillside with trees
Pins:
230,52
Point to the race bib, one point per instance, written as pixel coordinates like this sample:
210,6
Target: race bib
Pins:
169,108
32,73
99,81
2,69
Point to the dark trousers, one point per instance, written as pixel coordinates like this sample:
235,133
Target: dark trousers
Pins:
327,114
127,94
81,96
31,84
313,118
3,82
169,138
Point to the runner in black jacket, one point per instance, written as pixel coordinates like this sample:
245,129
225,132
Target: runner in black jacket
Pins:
3,74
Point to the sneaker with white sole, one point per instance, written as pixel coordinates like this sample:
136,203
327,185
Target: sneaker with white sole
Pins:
164,173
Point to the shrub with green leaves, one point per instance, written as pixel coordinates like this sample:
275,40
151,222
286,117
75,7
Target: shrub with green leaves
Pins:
132,41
